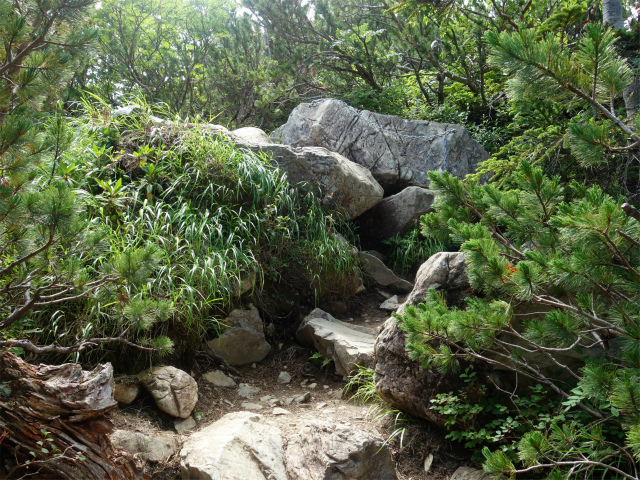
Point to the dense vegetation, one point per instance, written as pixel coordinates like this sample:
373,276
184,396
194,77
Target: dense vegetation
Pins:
118,227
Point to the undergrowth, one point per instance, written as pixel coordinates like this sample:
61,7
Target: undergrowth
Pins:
218,219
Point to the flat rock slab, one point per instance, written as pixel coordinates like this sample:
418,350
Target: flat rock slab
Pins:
174,391
242,341
219,379
383,275
347,345
155,448
398,152
239,446
322,451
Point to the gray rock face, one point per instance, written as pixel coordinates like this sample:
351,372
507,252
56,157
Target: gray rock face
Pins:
155,448
382,275
398,152
243,341
395,214
239,446
336,181
347,345
400,380
173,390
322,452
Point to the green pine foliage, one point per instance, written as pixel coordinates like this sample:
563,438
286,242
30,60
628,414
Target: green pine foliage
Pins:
574,86
570,254
48,246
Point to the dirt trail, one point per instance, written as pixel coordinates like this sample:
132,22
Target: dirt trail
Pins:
326,400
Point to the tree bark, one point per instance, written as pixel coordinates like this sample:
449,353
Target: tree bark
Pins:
53,423
612,14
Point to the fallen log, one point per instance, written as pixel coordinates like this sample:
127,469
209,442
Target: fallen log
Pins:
54,423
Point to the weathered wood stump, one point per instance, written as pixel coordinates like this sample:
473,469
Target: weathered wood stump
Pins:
53,423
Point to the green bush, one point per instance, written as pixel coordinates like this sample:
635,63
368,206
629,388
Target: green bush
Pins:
573,252
215,216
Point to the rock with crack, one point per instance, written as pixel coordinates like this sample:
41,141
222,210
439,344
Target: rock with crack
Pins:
242,341
444,271
395,214
347,345
398,152
155,448
174,391
400,380
322,451
382,275
239,446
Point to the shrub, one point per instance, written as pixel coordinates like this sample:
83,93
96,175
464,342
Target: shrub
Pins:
574,252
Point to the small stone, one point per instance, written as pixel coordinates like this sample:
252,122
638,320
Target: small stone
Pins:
126,393
304,405
305,397
228,402
329,410
390,304
427,462
251,406
183,425
253,365
266,398
313,385
247,391
288,401
274,402
336,393
284,378
280,411
219,379
325,386
321,405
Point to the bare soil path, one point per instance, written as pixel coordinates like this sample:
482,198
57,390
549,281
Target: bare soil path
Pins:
325,401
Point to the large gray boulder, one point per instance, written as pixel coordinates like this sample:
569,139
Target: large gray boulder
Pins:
347,345
395,214
239,446
400,380
335,180
242,341
398,152
326,452
174,391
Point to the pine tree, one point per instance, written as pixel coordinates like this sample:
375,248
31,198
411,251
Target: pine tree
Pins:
575,252
46,242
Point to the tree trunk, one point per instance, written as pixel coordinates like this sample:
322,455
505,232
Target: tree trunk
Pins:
612,14
53,423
